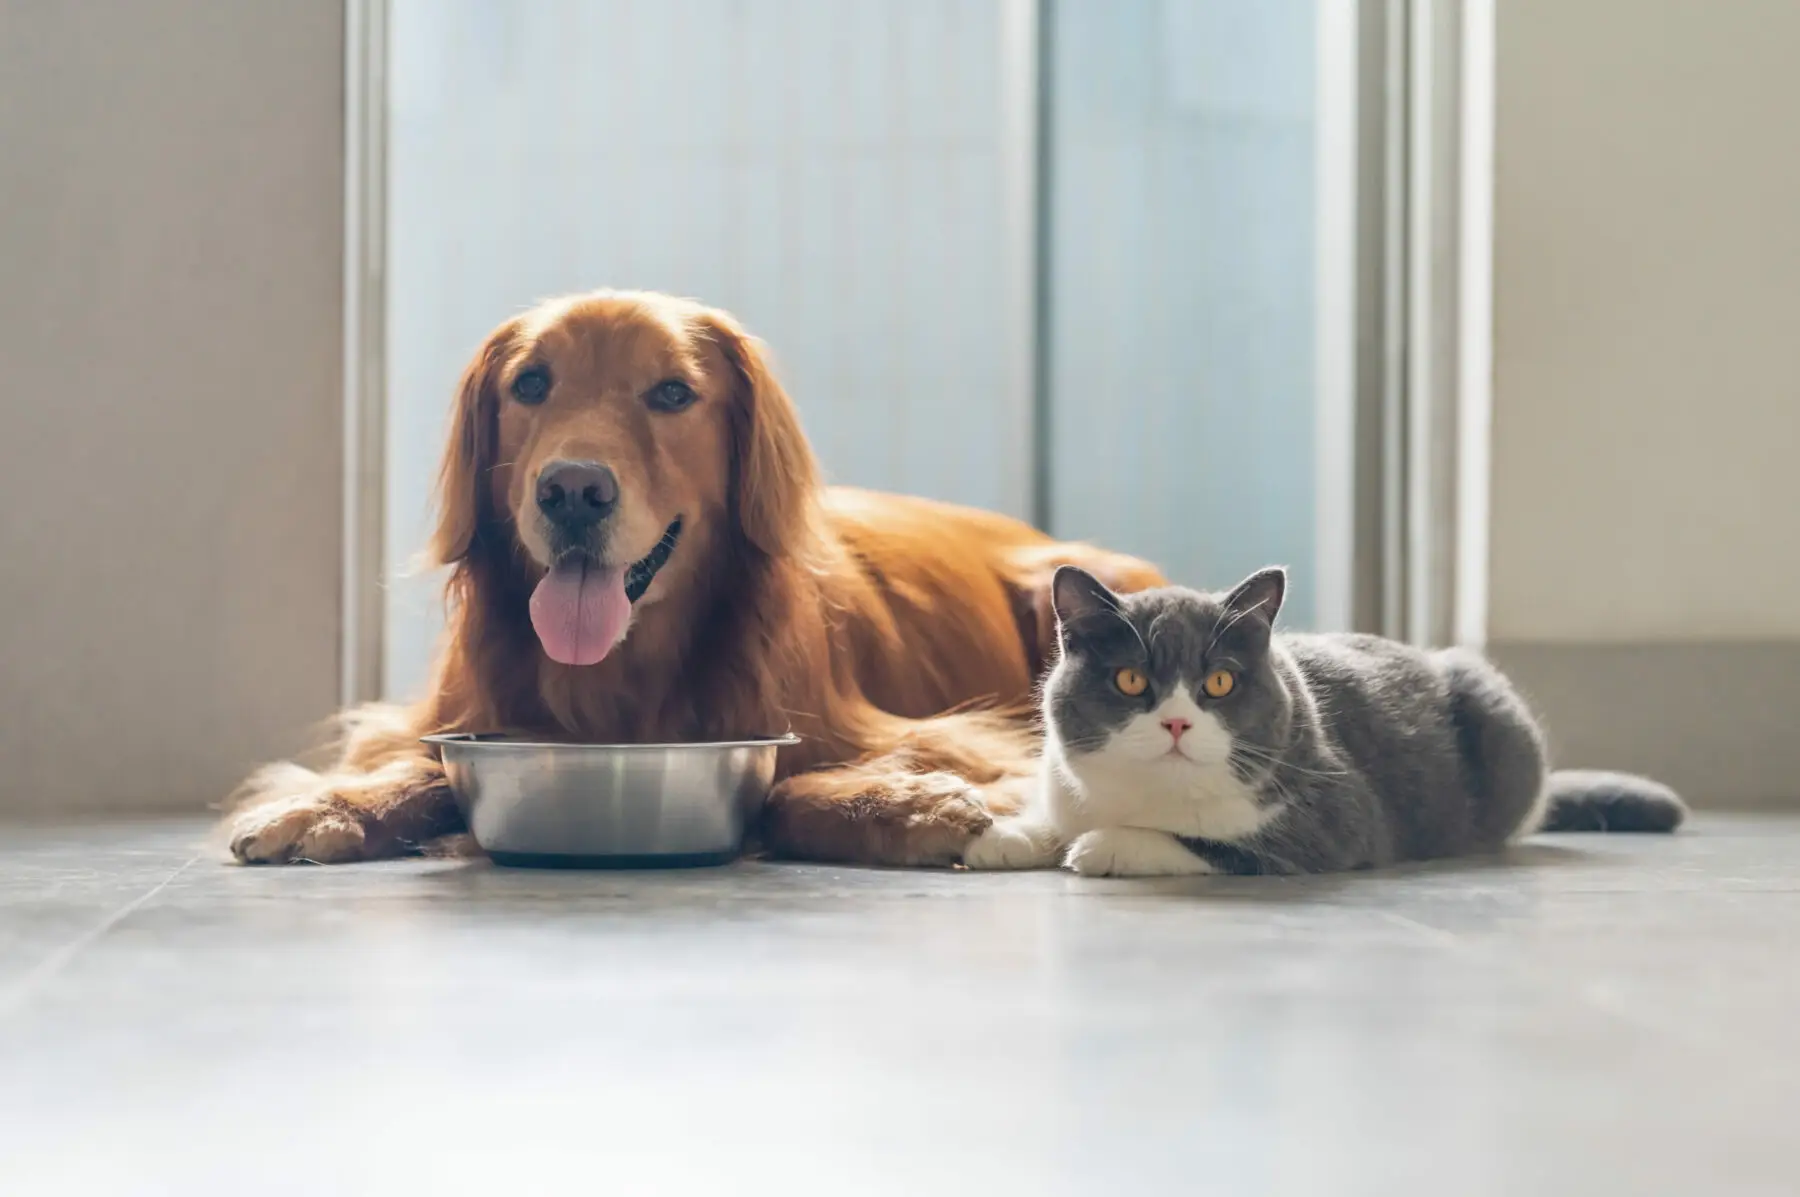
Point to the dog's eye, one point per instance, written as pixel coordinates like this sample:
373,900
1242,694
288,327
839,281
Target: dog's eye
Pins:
670,395
532,386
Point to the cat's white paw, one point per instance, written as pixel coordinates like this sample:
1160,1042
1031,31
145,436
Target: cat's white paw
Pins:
1132,852
1013,842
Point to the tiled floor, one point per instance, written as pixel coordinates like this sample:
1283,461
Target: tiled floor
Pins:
1594,1016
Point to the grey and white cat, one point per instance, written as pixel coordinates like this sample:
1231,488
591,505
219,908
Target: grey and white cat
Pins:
1184,735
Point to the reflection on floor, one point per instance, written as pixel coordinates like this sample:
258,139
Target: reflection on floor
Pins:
1593,1015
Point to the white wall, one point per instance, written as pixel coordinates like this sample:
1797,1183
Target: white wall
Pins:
170,245
1647,321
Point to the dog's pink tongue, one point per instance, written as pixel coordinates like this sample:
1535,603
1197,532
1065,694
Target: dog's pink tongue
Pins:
580,611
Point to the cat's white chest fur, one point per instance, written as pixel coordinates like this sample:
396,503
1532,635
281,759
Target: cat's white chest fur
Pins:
1117,808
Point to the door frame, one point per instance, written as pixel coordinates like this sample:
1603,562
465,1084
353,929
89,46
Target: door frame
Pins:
1423,359
364,612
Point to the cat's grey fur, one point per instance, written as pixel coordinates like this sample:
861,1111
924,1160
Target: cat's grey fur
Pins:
1332,751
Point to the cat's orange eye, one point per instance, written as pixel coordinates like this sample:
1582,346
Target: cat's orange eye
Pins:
1219,683
1130,682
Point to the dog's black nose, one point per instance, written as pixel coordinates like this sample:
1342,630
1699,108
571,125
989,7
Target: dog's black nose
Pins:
577,494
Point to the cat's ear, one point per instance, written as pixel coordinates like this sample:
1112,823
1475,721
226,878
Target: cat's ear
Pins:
1075,595
1256,601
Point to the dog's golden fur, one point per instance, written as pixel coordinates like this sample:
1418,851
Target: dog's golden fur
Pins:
898,637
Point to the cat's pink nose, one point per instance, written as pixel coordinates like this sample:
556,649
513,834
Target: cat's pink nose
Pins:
1177,727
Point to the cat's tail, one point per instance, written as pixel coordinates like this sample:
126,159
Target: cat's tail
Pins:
1597,800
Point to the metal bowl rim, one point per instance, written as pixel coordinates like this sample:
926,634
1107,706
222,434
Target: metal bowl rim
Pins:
468,740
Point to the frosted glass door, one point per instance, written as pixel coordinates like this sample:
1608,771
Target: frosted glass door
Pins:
1181,268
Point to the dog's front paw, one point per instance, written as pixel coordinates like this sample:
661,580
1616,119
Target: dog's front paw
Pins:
313,828
943,813
1132,852
1013,842
874,817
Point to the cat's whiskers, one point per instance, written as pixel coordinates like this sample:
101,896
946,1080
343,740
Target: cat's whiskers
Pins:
1263,843
1277,763
1255,766
1086,744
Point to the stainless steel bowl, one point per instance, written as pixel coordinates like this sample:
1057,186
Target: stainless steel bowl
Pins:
619,806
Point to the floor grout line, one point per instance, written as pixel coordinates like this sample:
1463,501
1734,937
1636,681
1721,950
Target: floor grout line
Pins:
14,997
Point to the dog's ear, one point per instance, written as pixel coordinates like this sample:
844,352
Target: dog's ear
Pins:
774,475
463,500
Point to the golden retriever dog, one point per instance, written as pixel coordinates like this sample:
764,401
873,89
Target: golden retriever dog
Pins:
641,550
